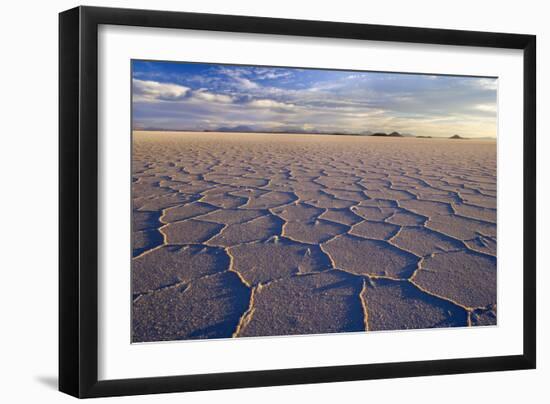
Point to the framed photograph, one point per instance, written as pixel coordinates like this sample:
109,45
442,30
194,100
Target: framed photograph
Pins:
251,201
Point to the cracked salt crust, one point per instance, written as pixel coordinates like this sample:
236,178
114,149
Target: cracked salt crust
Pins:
254,234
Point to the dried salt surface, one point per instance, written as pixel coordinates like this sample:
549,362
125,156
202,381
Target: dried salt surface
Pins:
190,231
315,232
190,210
158,202
263,262
299,212
476,212
319,303
173,264
370,257
145,240
427,208
261,228
483,244
373,212
322,199
233,216
487,316
270,200
460,227
397,305
272,234
424,242
145,220
344,216
375,230
466,277
352,196
224,200
209,307
404,218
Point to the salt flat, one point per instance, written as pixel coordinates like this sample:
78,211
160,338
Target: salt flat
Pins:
240,234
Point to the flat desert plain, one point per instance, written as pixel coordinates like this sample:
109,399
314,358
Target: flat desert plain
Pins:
241,234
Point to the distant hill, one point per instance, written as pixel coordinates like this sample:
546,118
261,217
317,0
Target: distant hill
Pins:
238,128
382,134
423,137
456,137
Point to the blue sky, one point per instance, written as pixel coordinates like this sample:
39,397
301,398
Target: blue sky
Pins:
193,96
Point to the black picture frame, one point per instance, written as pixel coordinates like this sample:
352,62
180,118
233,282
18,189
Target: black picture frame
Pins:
78,196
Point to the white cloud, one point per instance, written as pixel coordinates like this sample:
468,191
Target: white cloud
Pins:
486,107
271,74
245,83
152,91
204,95
240,81
271,104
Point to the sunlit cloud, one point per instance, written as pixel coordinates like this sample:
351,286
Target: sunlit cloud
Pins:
492,108
147,90
271,104
204,95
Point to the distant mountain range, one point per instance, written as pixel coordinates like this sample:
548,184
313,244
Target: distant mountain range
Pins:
297,130
392,134
244,128
476,138
287,129
238,128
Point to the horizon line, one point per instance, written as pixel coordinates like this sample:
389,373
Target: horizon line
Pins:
327,133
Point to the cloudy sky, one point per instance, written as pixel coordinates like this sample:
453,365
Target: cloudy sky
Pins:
192,96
